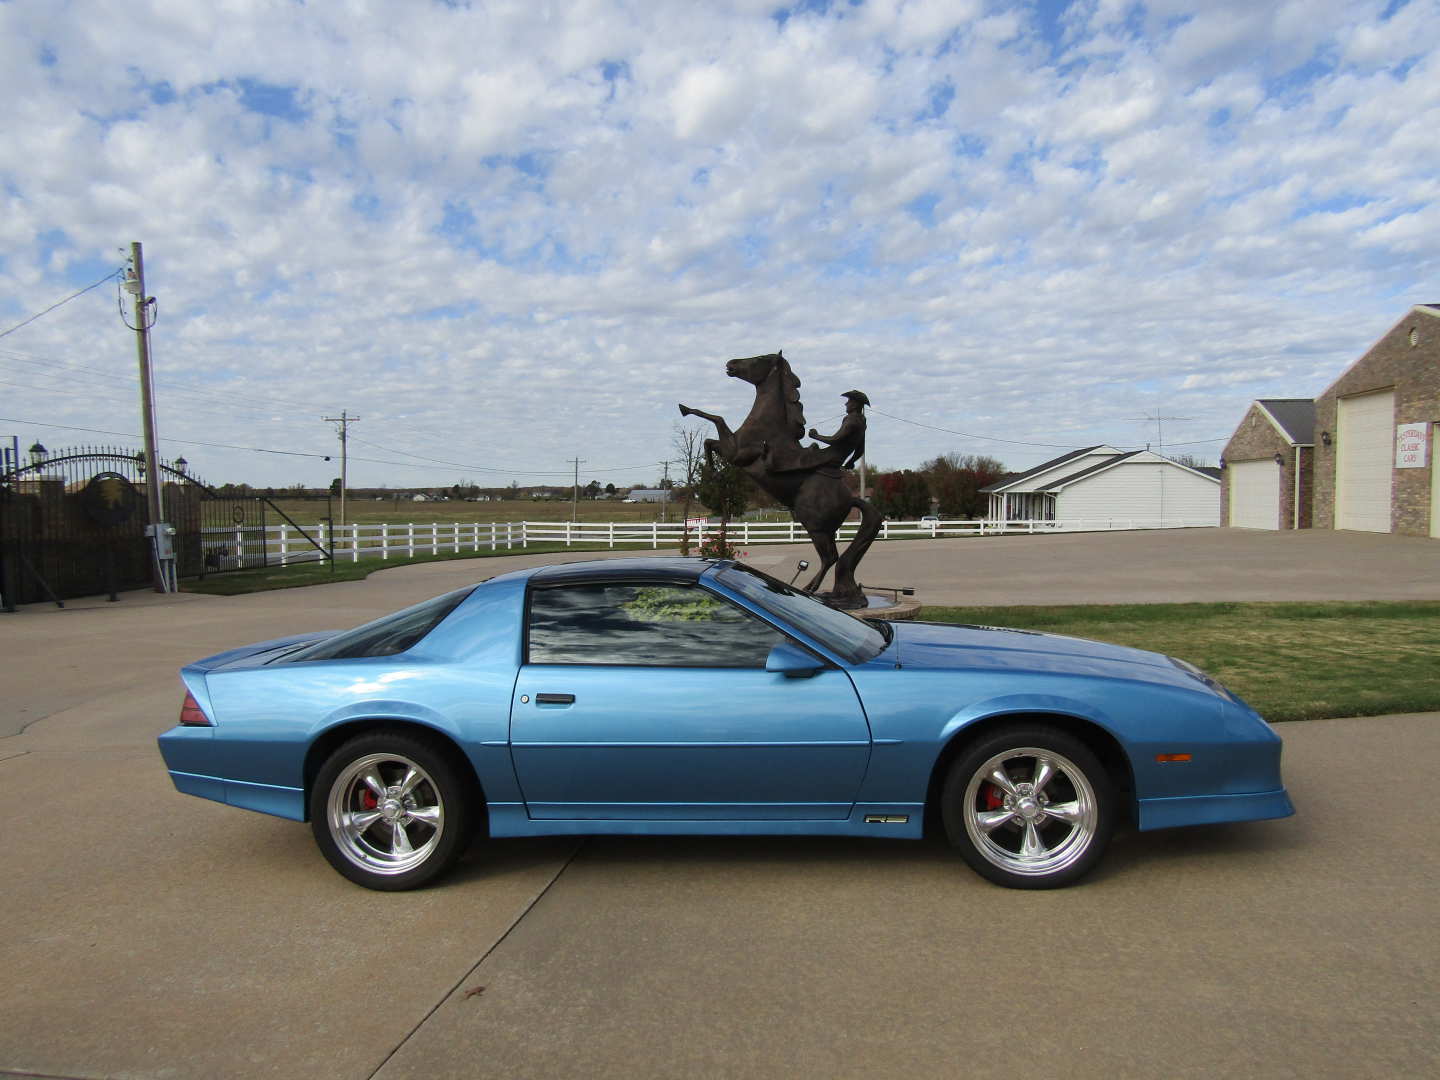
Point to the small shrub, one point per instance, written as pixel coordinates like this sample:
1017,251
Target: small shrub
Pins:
715,546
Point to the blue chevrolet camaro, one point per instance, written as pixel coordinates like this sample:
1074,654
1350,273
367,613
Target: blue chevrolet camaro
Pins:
683,696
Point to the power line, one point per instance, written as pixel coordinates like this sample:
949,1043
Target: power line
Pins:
968,434
130,382
299,453
187,442
1023,442
61,367
488,469
108,277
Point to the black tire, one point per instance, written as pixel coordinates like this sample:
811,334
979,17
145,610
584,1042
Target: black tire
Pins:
1015,835
390,811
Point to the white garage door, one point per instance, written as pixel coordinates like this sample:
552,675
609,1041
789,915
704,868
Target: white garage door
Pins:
1365,462
1254,494
1434,481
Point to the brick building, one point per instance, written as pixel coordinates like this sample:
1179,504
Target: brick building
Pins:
1375,433
1360,456
1268,466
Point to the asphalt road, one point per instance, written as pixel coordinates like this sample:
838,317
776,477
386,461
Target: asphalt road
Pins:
151,934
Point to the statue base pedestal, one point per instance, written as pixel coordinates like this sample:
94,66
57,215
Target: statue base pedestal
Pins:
885,607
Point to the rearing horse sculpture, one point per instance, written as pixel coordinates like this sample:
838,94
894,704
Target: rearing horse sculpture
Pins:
767,446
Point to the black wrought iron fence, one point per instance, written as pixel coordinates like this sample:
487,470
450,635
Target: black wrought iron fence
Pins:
72,523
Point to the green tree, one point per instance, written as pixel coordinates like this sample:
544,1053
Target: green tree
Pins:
903,494
955,481
725,489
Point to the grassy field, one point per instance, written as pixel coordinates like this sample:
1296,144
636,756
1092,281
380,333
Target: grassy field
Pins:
402,511
1289,661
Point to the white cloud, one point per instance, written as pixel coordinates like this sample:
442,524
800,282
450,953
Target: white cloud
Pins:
506,237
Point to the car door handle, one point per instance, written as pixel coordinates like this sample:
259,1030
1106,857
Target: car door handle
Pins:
554,699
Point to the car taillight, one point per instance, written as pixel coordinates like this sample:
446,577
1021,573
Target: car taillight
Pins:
191,714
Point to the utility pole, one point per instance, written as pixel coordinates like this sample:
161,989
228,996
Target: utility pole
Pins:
160,544
665,487
344,420
575,495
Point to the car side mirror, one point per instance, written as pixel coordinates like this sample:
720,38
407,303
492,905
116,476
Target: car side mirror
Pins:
792,661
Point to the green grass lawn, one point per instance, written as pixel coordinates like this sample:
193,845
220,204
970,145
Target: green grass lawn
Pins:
395,511
1289,661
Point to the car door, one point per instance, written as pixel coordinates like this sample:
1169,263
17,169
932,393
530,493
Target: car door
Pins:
652,702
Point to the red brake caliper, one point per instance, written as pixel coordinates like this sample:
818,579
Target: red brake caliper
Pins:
993,799
368,801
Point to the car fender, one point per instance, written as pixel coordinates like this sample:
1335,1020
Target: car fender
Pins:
383,709
1025,704
479,729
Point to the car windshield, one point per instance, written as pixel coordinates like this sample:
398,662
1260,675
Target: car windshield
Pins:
843,634
387,635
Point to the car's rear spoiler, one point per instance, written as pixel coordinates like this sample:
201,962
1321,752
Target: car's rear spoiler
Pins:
193,675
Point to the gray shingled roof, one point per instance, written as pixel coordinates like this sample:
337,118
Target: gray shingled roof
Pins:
1296,417
1101,466
1007,480
1091,469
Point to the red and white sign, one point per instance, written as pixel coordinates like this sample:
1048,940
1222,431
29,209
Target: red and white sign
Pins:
1412,441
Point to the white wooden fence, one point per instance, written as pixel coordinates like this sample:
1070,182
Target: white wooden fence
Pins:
283,544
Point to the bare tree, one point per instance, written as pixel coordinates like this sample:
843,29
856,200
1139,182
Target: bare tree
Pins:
689,446
1190,461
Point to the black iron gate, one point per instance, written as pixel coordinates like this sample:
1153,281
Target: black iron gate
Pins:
232,534
72,523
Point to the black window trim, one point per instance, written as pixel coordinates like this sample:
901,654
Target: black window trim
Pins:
533,587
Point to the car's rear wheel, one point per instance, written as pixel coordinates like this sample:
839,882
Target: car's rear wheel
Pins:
1029,807
390,811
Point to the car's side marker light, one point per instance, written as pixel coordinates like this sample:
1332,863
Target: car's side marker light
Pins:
191,715
1172,759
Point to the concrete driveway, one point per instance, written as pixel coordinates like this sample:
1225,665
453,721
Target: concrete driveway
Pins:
147,933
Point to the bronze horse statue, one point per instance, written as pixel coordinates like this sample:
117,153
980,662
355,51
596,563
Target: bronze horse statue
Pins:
767,446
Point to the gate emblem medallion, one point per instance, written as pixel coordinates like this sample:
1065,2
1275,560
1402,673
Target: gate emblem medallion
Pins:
110,499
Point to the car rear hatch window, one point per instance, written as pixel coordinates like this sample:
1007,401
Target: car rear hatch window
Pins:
386,636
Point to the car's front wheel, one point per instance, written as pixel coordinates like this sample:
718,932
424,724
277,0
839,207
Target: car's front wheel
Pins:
390,811
1029,807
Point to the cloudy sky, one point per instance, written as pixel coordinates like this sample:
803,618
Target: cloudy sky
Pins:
506,234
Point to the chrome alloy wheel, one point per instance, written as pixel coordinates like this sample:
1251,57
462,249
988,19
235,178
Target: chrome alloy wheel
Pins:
1030,811
385,813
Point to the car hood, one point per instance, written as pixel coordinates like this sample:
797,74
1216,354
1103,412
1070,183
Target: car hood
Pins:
947,646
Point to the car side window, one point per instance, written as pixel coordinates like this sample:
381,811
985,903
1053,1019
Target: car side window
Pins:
644,625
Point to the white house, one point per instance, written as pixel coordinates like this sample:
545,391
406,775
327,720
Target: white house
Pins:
1102,483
